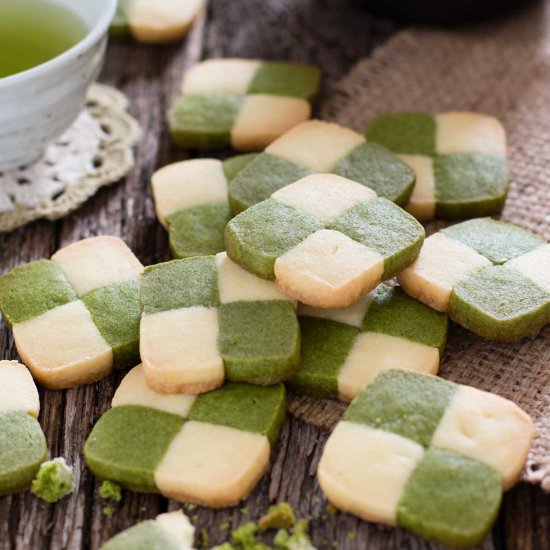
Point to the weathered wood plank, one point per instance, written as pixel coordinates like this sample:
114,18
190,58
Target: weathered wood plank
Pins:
333,34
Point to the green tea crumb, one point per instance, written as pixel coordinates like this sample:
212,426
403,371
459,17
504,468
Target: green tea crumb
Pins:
53,481
110,491
245,535
279,516
225,526
298,539
224,546
107,511
351,535
204,538
331,510
244,510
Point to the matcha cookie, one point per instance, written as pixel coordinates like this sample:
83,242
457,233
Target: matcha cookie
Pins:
210,449
170,531
459,159
22,443
75,317
244,103
325,240
491,277
252,76
425,454
206,319
191,203
155,21
315,147
343,350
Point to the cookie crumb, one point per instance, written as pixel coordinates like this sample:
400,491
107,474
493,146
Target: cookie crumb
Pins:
110,491
54,480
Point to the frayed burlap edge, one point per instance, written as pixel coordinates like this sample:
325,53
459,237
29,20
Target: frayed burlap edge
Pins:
501,69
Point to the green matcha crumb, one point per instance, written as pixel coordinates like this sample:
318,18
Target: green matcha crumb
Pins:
54,480
297,540
107,511
352,535
244,510
110,491
224,546
331,510
316,500
204,538
279,516
225,526
189,507
245,535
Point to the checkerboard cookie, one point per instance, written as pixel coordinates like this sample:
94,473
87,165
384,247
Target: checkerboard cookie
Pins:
491,277
210,449
241,102
459,159
155,21
343,350
22,443
170,531
206,319
426,454
191,203
315,147
75,317
325,240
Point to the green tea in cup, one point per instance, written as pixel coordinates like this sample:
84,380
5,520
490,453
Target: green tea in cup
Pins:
35,31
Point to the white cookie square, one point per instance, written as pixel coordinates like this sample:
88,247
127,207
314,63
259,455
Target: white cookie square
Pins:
316,145
17,389
212,465
535,265
263,118
422,202
324,196
97,262
352,315
188,184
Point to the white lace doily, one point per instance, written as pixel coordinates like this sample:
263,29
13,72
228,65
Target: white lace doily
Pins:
96,150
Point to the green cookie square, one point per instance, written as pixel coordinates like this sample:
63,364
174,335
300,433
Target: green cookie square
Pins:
32,289
450,499
385,228
198,231
395,313
259,341
233,165
497,241
204,121
404,403
286,79
378,168
404,133
499,303
260,179
259,409
470,185
180,284
127,444
147,535
22,449
257,237
116,311
325,347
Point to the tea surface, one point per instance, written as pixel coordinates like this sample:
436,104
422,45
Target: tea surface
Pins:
33,32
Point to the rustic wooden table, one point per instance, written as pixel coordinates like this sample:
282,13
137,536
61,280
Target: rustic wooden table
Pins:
332,34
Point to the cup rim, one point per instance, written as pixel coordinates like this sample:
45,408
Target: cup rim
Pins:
85,44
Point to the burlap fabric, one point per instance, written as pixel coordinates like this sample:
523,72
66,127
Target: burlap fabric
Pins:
502,69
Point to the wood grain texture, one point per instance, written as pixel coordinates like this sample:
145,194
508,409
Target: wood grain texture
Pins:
333,34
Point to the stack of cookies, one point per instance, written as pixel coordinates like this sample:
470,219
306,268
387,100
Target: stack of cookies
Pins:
278,281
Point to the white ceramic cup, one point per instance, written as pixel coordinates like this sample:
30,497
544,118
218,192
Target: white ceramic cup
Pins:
39,104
